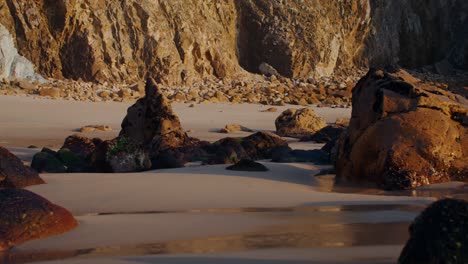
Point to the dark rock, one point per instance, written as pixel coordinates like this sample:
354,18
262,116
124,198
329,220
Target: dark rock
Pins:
226,151
247,165
45,162
82,146
439,235
73,162
14,174
26,216
122,155
326,134
152,123
403,133
261,145
285,155
167,161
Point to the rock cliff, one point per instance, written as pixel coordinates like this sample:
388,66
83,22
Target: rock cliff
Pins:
187,41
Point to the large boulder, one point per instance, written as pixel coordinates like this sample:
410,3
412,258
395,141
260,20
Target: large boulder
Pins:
26,216
326,134
439,235
14,174
403,133
298,123
152,123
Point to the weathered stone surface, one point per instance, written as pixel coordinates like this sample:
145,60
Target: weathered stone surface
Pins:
298,123
14,174
262,144
26,216
403,133
152,123
439,235
326,134
47,162
247,165
122,155
82,146
12,65
181,42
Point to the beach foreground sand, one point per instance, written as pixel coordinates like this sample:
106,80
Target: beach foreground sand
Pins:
201,214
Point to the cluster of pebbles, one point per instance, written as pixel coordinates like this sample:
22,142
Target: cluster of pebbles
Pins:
263,90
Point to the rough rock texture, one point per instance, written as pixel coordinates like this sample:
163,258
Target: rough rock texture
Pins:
14,174
326,134
184,41
13,65
152,123
439,235
298,123
122,155
26,216
403,133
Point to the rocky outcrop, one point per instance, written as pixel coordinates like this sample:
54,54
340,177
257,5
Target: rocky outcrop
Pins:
438,235
12,65
26,216
298,123
403,133
184,42
152,123
14,174
122,155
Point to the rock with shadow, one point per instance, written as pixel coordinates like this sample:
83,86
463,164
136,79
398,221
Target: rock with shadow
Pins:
121,155
403,133
258,146
14,174
26,216
287,155
298,123
247,165
439,235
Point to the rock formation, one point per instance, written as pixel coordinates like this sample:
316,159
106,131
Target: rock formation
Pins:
439,235
26,216
184,42
14,174
298,123
12,65
403,133
152,123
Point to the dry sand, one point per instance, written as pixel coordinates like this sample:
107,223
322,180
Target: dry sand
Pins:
201,214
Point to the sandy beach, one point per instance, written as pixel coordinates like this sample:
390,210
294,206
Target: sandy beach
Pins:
201,214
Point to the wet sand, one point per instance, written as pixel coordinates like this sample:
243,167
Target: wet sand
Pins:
203,214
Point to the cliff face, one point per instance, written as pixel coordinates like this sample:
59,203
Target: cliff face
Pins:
185,41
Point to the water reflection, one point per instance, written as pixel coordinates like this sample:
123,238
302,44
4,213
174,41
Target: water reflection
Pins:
326,183
298,233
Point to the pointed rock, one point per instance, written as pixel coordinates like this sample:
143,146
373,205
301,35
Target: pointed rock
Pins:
152,123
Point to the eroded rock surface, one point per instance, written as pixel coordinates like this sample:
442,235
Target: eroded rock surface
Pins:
26,216
403,133
152,123
14,174
298,123
181,42
439,235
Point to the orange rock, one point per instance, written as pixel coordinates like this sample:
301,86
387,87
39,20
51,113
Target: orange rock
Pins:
27,216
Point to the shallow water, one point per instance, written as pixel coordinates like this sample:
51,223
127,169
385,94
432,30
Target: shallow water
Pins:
307,227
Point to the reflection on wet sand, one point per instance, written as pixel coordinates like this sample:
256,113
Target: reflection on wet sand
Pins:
326,183
296,233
